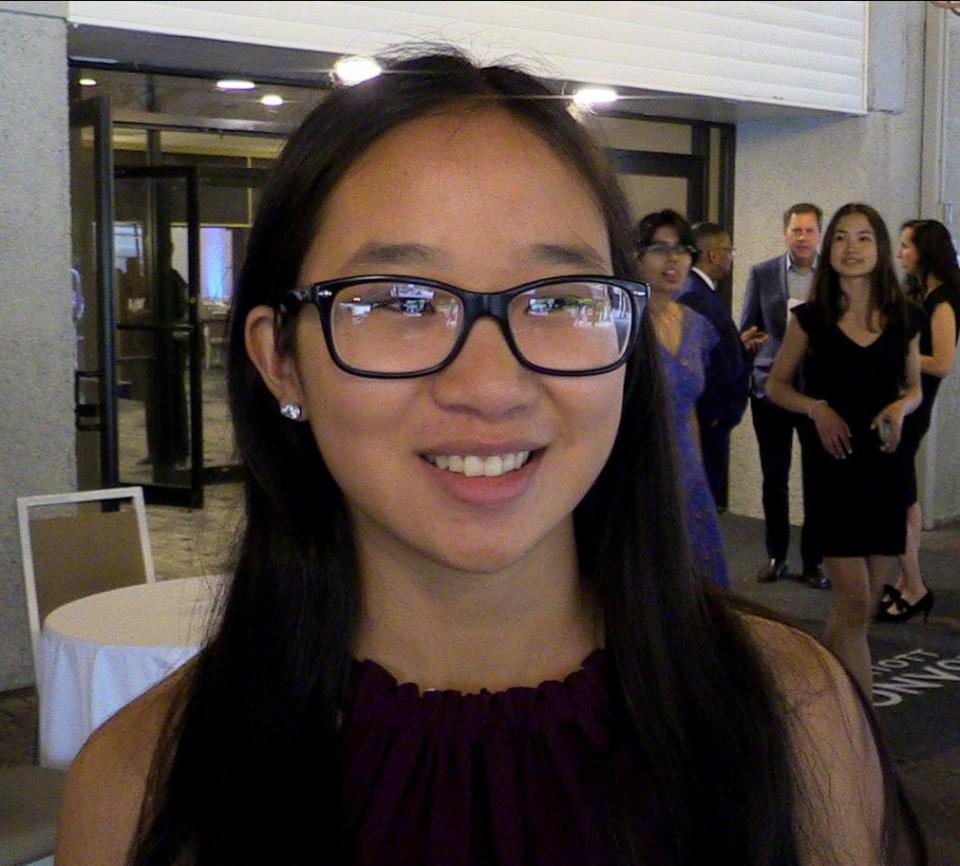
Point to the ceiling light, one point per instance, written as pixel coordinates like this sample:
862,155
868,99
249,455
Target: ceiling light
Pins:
353,70
235,84
589,97
271,99
87,82
79,58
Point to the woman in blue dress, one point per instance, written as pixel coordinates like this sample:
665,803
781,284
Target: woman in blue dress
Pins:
666,250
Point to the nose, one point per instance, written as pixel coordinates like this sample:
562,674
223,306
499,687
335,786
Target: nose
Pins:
485,379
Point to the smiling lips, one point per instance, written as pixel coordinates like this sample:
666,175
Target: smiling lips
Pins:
474,466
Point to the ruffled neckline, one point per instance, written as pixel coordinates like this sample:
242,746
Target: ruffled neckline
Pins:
447,778
367,670
377,695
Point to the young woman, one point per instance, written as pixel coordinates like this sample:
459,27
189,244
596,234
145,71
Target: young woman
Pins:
933,280
463,628
857,341
666,250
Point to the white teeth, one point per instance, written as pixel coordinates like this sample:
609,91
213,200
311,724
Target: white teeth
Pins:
493,466
474,466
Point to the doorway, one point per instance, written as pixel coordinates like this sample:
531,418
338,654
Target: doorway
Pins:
159,238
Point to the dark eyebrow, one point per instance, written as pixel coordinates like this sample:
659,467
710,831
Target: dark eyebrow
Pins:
575,256
374,253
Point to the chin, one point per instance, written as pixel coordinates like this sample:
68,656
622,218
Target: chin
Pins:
482,559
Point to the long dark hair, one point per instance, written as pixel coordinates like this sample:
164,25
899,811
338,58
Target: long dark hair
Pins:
886,296
936,256
249,771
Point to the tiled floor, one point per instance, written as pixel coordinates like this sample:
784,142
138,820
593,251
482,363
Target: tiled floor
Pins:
921,722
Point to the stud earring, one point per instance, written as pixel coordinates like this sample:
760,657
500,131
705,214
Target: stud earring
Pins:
291,411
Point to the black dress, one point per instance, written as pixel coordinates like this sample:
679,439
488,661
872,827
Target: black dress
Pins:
917,423
857,504
513,778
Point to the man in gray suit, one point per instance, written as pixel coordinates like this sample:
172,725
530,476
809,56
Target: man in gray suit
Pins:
773,289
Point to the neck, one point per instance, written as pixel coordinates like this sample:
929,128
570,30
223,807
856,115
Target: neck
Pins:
445,628
714,277
660,301
802,265
932,283
857,292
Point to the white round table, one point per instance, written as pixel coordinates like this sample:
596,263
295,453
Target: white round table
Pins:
100,652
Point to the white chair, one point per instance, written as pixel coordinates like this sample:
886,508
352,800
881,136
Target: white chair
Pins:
86,550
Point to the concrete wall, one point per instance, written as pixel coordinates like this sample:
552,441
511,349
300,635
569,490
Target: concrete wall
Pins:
36,330
875,158
940,483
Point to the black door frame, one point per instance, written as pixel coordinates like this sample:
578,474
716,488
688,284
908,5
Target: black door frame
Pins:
190,495
101,417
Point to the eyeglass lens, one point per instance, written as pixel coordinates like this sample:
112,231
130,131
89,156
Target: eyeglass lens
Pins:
403,327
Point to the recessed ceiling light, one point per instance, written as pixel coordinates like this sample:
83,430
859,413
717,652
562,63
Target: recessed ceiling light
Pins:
271,99
79,58
588,97
87,82
353,70
235,84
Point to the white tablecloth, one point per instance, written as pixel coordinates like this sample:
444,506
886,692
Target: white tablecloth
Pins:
102,651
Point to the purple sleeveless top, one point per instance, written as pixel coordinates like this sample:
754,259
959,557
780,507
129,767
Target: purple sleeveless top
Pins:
442,778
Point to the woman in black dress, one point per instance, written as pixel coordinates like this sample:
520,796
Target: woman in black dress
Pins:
933,280
857,341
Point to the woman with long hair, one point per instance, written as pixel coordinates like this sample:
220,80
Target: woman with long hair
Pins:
856,339
666,250
463,627
933,281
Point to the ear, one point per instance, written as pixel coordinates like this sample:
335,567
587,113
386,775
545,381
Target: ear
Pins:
278,369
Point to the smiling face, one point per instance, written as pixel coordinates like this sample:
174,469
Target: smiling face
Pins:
665,272
475,199
853,247
908,253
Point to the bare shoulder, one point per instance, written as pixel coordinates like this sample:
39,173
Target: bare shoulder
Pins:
817,691
840,785
107,780
800,663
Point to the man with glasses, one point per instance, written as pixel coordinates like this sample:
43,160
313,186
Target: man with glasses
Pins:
724,398
773,289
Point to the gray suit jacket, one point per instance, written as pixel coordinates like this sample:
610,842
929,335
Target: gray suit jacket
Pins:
765,305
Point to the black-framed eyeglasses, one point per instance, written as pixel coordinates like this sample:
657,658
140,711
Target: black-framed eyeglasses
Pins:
398,327
665,249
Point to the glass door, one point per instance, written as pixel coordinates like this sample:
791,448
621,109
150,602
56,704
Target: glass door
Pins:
158,333
229,195
91,199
